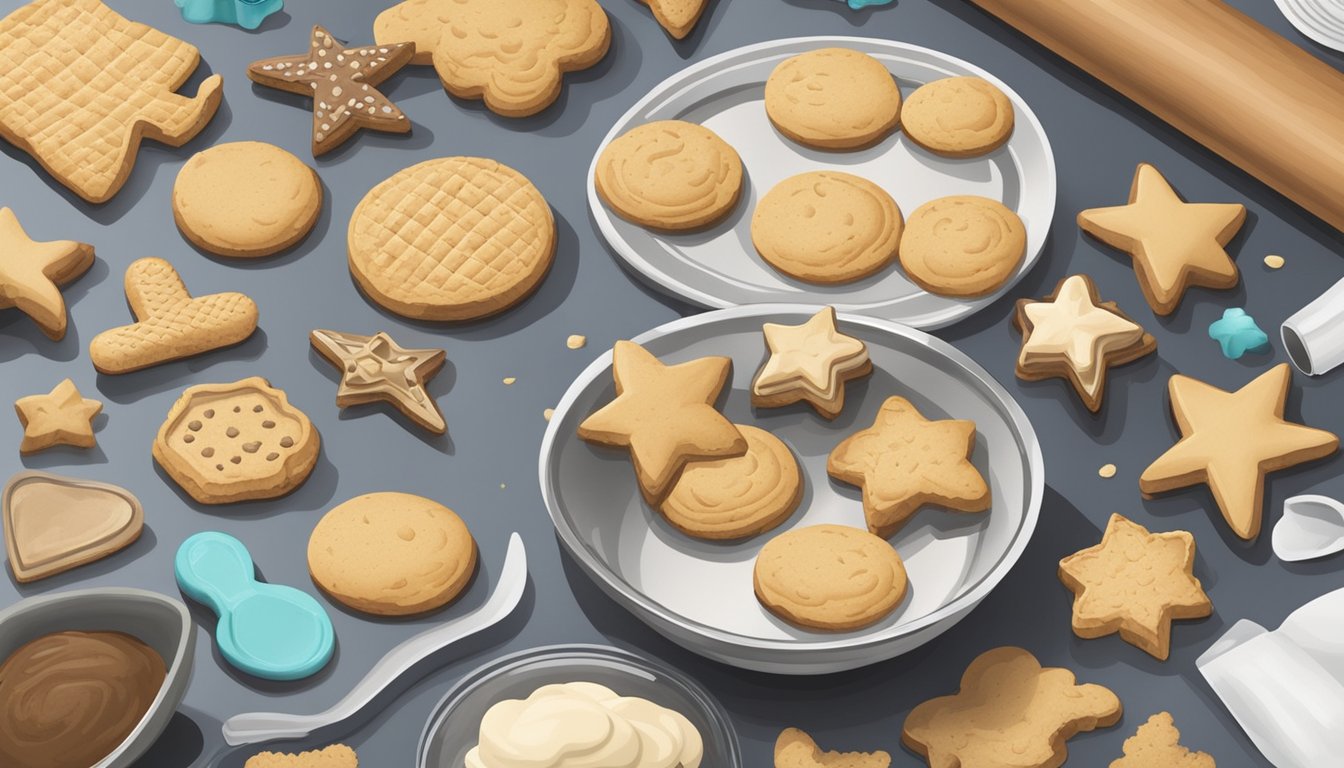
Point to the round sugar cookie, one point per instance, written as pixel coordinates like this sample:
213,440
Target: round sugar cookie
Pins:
830,577
457,238
827,227
669,174
391,554
246,199
958,117
833,98
962,245
737,497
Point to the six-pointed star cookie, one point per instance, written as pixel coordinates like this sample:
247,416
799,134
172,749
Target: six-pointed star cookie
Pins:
1073,335
60,417
31,274
665,415
905,461
810,362
1230,440
1174,244
375,368
1135,582
341,81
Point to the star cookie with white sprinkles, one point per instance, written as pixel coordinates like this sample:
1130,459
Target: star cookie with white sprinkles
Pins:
341,82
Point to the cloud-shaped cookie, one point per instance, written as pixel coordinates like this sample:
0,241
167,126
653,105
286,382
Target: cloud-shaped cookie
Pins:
1009,713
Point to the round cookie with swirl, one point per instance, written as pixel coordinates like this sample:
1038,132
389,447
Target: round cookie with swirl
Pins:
392,554
830,577
669,175
958,117
963,246
827,227
833,98
737,497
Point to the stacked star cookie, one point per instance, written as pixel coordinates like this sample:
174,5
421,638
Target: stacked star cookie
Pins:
810,363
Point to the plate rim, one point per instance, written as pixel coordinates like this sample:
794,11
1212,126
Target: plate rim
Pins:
631,259
639,604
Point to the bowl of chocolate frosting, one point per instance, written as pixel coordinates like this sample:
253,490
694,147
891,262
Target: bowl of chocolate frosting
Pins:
90,678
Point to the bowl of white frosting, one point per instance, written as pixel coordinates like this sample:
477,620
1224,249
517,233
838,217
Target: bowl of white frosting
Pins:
578,706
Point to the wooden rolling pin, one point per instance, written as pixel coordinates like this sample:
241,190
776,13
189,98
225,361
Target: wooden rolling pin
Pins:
1214,73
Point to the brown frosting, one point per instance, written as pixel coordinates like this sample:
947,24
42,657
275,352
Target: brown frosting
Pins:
68,699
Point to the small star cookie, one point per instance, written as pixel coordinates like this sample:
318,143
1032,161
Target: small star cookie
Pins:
342,83
32,273
1158,745
1230,441
1174,244
1135,582
60,417
376,368
1073,335
811,362
1009,713
905,461
665,415
795,749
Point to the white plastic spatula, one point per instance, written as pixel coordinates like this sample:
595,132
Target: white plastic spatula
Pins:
259,727
1311,527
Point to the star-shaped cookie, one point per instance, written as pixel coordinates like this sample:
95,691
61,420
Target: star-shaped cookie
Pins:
1230,440
1072,334
809,362
32,273
665,415
376,368
341,81
1009,713
905,461
1174,244
1158,745
1135,582
60,417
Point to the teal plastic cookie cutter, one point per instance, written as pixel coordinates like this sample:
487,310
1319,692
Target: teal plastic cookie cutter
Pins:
267,630
247,14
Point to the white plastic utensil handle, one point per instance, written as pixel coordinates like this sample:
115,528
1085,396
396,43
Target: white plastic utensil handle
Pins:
258,727
1314,336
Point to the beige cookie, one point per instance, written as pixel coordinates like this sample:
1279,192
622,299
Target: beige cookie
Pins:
457,238
170,323
958,117
829,577
678,17
737,497
962,246
511,53
54,523
833,98
669,174
246,199
392,554
60,417
827,227
335,756
809,363
84,86
1157,744
32,274
1008,704
236,442
795,749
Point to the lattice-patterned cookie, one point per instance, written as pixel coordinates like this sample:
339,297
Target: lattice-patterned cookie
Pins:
456,238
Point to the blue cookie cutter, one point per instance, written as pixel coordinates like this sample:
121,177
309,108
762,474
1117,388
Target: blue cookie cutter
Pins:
858,5
247,14
267,630
1238,334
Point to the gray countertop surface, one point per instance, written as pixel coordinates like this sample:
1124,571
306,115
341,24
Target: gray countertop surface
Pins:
486,467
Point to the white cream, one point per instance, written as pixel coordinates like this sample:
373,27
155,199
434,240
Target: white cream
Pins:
584,725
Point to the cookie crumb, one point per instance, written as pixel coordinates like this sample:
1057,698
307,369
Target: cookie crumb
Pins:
502,486
1107,470
508,380
1274,262
548,413
576,341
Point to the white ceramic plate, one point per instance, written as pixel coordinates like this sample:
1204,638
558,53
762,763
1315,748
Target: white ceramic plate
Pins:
1320,20
719,267
699,594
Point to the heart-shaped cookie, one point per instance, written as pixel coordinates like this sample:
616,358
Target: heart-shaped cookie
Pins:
54,523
